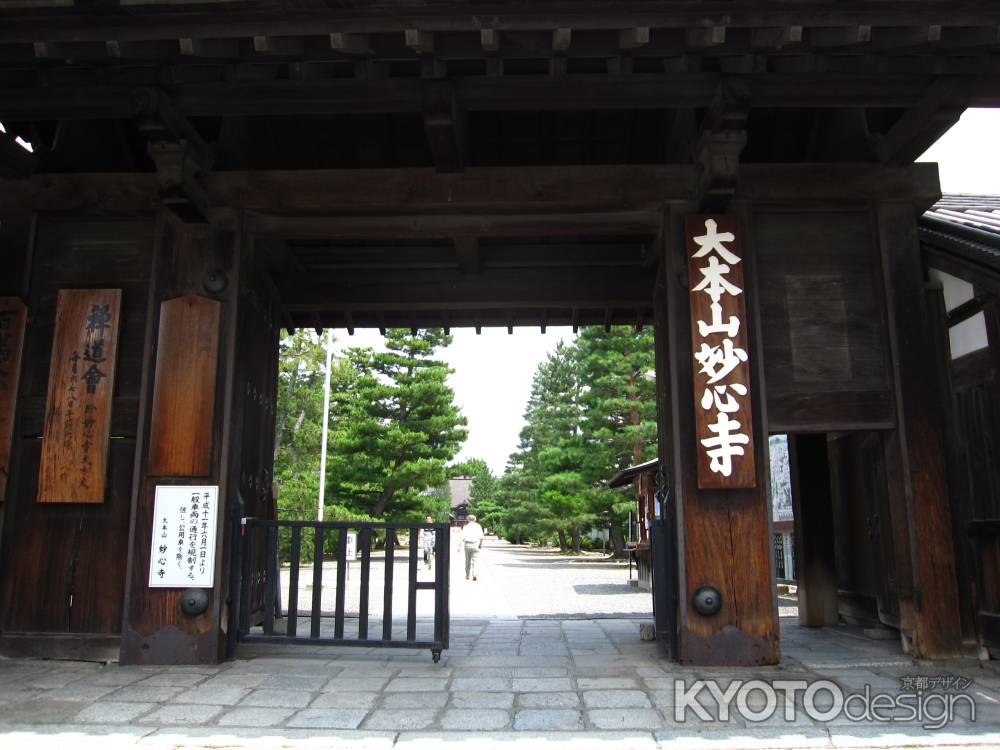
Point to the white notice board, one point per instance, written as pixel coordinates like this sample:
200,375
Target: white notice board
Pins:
183,551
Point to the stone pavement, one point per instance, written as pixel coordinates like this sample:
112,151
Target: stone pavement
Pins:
524,683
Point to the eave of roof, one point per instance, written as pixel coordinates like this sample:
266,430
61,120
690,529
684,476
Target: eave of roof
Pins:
966,226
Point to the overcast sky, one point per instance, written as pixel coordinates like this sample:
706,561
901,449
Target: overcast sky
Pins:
493,371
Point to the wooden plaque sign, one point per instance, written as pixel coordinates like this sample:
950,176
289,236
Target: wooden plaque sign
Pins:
723,425
187,357
78,407
13,317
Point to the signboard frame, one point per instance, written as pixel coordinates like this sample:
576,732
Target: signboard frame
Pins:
173,560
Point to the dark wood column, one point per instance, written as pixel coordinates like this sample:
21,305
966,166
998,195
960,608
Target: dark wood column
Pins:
919,496
723,536
154,628
815,564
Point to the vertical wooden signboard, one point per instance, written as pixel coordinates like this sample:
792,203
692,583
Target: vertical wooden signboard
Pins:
78,407
183,414
13,317
723,425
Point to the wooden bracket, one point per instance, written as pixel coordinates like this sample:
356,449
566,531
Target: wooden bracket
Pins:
181,155
719,145
921,125
444,124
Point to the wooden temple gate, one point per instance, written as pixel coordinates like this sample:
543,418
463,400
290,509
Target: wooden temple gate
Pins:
415,164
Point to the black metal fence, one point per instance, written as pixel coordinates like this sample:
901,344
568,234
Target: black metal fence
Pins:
262,619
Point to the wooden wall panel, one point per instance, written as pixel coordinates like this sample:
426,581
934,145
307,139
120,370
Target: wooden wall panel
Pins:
78,405
823,322
183,410
13,318
52,550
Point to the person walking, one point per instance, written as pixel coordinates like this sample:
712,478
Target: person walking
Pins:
429,538
472,540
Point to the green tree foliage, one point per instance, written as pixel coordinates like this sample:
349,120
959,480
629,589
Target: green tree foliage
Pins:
299,423
551,453
591,412
397,428
618,414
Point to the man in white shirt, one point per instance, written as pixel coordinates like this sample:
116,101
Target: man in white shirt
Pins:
472,540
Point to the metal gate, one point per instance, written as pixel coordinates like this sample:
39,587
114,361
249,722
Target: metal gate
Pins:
260,617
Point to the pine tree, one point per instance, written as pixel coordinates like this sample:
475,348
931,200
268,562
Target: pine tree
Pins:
549,495
397,427
618,402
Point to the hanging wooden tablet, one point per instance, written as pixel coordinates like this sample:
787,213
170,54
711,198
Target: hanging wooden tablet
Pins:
13,317
78,407
187,357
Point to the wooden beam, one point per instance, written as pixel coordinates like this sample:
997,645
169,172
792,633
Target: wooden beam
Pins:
922,125
611,196
568,189
507,289
83,25
476,225
105,100
485,318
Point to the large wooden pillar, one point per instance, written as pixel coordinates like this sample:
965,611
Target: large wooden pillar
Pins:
917,458
206,263
723,536
815,564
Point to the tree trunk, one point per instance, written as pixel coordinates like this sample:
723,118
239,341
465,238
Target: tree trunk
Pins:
562,541
576,538
617,541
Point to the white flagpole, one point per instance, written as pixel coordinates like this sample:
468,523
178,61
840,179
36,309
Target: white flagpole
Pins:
326,419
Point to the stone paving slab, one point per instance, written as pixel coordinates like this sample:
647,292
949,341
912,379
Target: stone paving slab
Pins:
374,698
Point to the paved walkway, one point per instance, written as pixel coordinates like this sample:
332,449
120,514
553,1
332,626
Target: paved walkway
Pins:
523,670
503,684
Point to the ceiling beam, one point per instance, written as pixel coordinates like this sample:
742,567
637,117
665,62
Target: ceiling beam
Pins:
133,24
506,93
479,200
450,290
482,225
484,190
921,126
522,317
